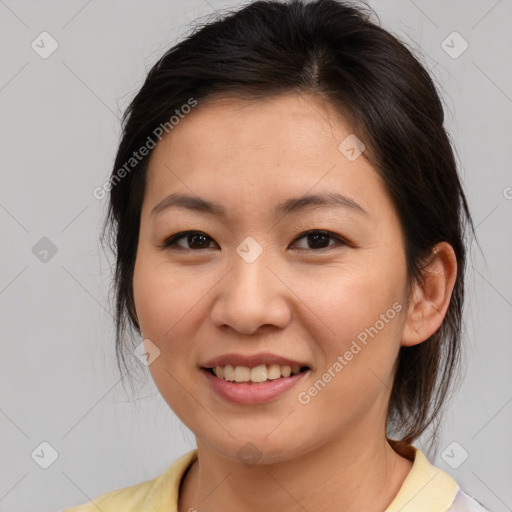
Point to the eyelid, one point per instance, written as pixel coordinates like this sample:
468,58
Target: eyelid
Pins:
170,241
341,240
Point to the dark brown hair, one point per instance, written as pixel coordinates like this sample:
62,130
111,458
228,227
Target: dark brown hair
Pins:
333,50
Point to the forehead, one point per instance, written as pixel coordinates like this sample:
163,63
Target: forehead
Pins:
285,125
250,152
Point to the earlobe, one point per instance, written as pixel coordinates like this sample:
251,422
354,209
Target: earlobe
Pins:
431,296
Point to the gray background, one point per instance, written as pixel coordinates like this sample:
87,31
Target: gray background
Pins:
59,130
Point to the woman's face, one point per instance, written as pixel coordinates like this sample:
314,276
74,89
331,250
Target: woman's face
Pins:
254,284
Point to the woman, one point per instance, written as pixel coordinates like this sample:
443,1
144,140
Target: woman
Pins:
289,228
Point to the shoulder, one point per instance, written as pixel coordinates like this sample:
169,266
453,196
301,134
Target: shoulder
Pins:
465,503
156,494
428,488
128,498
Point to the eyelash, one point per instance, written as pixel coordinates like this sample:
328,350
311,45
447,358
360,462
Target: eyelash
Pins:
170,243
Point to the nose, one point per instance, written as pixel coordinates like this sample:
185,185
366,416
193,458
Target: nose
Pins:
251,296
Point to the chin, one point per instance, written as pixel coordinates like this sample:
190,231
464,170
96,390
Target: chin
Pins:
257,447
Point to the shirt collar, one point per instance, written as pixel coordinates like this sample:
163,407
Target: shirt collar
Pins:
425,489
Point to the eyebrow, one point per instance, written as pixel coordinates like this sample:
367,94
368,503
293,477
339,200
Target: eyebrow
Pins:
324,199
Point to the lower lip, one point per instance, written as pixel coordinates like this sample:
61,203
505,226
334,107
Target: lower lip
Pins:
242,393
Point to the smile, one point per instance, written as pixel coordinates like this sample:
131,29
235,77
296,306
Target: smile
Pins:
244,385
258,374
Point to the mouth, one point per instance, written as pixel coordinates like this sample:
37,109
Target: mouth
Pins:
253,378
256,374
251,385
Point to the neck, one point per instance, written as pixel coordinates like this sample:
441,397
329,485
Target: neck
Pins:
349,474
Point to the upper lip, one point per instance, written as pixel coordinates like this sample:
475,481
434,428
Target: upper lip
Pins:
251,360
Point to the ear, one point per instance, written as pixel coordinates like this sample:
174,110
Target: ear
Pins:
431,296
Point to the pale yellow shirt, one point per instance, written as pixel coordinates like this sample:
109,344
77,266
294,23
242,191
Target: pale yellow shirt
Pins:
425,489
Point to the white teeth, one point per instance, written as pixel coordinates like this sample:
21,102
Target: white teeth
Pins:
286,371
242,373
228,373
273,372
260,373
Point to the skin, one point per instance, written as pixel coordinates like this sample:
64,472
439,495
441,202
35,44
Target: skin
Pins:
294,300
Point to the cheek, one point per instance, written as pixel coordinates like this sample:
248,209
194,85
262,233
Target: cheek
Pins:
164,297
357,335
357,317
164,300
348,299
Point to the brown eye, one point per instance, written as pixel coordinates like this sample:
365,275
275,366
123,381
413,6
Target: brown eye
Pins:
193,240
320,239
196,240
